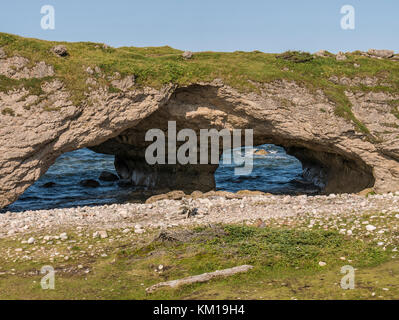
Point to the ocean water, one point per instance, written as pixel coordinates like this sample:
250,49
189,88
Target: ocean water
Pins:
275,172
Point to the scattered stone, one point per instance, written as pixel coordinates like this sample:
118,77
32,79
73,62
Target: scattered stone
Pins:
138,229
108,176
356,65
90,71
196,194
175,195
63,236
322,54
341,56
100,234
322,264
260,223
89,183
250,193
31,240
381,53
261,152
156,198
49,184
60,51
187,55
370,227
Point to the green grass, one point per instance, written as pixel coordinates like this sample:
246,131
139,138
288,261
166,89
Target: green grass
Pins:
157,66
285,265
8,111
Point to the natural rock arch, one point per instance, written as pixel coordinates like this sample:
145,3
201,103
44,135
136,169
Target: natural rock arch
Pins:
282,113
219,107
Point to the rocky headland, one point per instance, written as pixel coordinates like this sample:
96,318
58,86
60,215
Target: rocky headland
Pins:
338,114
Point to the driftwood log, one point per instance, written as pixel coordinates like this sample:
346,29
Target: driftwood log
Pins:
200,278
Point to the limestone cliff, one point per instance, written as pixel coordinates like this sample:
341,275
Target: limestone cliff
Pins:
339,119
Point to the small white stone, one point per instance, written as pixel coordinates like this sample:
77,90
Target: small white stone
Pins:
31,240
370,227
322,264
63,236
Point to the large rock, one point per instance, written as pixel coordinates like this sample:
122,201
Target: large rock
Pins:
340,56
60,50
187,55
108,176
381,53
89,183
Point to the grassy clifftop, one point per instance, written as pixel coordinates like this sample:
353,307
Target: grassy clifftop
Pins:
157,66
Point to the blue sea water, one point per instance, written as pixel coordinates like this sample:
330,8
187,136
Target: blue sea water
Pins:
275,172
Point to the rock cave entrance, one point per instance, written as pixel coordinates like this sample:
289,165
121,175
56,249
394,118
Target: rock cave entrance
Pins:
84,177
78,178
274,171
328,164
330,167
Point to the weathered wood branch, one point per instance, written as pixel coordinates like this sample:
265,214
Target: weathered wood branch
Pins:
200,278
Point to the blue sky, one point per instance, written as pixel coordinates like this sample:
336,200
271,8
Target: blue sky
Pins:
215,25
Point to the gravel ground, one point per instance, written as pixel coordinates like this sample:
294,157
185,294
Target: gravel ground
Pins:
347,213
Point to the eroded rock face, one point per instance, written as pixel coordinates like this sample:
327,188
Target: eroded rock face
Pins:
16,68
282,112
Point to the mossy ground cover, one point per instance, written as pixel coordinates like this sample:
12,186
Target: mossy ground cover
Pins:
286,265
157,66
